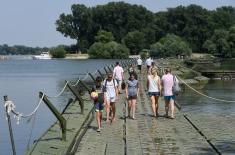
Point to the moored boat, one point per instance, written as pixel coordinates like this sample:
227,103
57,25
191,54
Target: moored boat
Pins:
43,55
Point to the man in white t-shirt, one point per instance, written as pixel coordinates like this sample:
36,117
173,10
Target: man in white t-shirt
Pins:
148,63
139,63
118,75
110,95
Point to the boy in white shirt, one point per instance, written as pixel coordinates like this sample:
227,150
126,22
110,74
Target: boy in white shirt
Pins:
110,88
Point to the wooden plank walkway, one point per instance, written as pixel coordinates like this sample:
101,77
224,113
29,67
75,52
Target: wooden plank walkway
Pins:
145,135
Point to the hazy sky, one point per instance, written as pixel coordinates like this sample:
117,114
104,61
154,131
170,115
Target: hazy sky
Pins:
32,22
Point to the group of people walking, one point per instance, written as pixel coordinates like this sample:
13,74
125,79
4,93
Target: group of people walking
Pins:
106,93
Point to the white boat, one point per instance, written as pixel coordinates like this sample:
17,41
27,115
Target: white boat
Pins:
43,55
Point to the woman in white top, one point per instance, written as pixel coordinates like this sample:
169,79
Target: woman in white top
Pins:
154,87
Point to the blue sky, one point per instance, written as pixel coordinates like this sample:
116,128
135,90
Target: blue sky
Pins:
32,22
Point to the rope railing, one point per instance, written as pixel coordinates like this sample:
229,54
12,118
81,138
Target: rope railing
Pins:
213,98
10,106
60,93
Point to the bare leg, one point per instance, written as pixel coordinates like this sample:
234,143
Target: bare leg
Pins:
98,119
172,107
113,110
107,111
156,101
167,107
153,105
129,108
133,108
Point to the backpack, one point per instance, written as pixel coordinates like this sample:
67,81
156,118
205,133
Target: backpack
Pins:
176,88
105,85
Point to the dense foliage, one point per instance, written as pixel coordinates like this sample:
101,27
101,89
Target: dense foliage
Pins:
138,28
58,52
222,43
106,48
171,45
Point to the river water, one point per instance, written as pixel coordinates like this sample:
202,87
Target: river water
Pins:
22,79
192,102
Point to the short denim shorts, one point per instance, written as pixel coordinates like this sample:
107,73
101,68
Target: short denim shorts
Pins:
154,94
99,106
168,98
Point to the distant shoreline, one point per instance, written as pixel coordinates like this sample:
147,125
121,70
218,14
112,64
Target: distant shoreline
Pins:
77,56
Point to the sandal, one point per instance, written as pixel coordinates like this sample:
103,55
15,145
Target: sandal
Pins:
171,117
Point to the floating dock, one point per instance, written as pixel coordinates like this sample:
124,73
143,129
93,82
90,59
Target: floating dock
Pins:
185,134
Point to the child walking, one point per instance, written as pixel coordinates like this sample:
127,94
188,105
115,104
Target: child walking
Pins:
132,92
98,97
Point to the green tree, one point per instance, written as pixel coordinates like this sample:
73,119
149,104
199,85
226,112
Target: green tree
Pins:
58,52
106,48
209,47
231,40
104,36
192,23
171,45
116,17
220,40
98,50
224,17
76,25
110,50
135,41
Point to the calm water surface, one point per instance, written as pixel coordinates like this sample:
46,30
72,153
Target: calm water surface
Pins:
22,80
195,103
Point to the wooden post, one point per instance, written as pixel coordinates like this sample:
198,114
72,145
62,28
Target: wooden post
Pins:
92,77
85,86
101,74
78,97
57,114
112,66
67,105
10,128
110,69
105,70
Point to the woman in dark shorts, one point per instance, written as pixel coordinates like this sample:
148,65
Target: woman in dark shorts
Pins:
154,87
132,91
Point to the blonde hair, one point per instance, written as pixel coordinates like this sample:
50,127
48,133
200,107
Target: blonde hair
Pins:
154,72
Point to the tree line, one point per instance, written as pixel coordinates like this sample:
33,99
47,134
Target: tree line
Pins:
20,49
194,28
56,52
117,29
